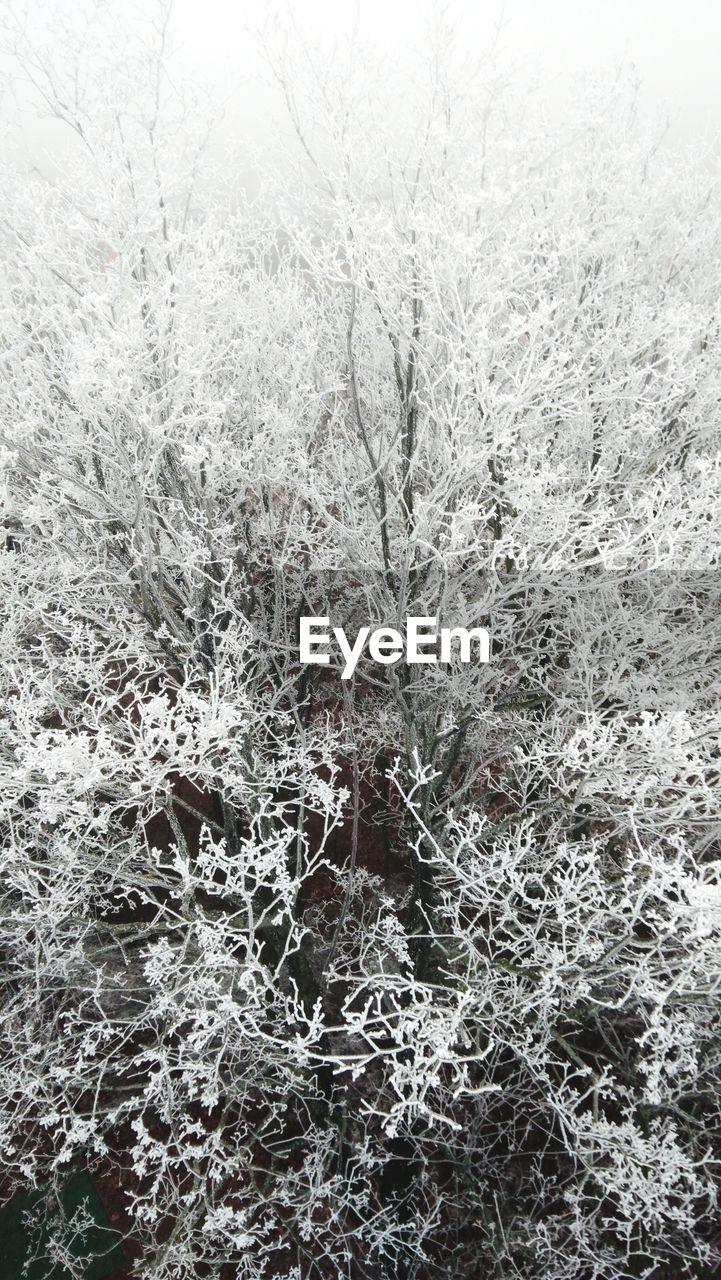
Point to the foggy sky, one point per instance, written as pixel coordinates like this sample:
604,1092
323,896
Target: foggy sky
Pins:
674,45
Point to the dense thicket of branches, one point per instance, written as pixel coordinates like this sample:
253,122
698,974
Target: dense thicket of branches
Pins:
414,975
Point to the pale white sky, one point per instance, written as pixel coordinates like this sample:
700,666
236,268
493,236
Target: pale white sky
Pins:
675,45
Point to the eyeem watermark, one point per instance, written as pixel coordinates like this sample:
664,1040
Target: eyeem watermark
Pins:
386,645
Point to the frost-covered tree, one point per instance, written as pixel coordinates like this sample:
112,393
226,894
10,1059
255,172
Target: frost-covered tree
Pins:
414,974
